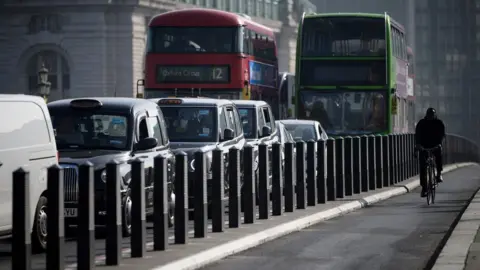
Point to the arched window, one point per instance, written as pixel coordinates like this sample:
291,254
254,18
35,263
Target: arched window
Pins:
58,72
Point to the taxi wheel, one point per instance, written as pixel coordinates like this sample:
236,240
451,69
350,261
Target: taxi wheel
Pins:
127,216
39,230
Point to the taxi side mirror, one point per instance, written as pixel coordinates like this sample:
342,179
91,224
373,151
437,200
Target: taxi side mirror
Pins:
146,144
266,131
228,134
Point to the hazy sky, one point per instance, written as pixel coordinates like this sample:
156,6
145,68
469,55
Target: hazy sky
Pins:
395,8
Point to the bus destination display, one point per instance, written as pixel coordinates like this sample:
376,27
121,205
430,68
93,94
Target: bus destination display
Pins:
193,74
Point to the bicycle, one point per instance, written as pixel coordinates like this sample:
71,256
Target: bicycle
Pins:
431,173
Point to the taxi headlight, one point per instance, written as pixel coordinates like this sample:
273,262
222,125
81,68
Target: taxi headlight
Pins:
103,176
208,161
192,165
255,164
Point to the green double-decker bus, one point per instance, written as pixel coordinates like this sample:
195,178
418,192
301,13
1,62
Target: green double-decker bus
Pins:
352,73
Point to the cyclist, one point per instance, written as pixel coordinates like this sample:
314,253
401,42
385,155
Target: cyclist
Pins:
429,133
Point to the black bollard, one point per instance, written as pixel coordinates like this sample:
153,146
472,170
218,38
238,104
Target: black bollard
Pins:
160,203
379,161
348,166
456,148
411,145
113,241
331,170
397,159
86,218
391,159
234,197
357,161
300,170
405,156
372,166
365,163
55,224
289,177
402,156
386,161
408,155
200,196
446,150
339,167
277,179
218,191
181,199
321,172
21,238
138,239
263,182
248,194
412,152
416,168
311,173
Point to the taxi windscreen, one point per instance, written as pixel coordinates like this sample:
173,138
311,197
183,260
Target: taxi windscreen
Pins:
90,130
191,124
247,117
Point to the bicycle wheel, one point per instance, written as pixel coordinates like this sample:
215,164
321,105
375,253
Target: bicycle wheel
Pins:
429,184
433,184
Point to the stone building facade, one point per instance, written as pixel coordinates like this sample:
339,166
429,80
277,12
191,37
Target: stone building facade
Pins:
96,47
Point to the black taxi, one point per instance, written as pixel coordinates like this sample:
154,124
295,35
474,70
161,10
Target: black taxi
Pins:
204,124
100,130
258,124
258,121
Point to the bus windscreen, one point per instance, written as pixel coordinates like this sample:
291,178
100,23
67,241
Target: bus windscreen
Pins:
162,39
343,36
345,112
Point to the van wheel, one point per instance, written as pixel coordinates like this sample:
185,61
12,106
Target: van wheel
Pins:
39,230
127,216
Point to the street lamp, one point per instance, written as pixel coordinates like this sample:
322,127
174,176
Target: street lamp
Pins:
43,83
140,82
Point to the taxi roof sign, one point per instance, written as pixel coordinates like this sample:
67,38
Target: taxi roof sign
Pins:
86,103
173,101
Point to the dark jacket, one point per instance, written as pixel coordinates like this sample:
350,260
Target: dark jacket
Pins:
429,133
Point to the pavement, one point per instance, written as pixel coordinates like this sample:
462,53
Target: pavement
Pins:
397,234
462,250
200,252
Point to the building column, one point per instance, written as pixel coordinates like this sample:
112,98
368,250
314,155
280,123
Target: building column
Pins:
286,49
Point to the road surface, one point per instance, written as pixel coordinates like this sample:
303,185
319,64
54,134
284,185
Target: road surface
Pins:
38,261
397,234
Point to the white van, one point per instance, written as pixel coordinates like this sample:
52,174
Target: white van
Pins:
26,140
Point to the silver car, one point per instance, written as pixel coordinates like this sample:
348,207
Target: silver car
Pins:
306,130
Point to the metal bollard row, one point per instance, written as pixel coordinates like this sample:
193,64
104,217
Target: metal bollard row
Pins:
290,176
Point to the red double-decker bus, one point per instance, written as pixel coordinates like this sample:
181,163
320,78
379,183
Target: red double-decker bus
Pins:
213,53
